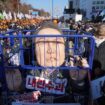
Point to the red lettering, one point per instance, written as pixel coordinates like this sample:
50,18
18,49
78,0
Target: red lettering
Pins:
40,83
29,81
33,82
59,87
50,85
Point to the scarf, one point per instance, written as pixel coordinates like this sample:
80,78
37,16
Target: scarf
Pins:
99,41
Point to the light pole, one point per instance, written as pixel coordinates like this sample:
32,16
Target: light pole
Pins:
18,3
52,9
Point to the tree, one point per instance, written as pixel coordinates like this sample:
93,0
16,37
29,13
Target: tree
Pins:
16,6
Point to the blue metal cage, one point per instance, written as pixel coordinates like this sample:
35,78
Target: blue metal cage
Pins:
83,46
23,46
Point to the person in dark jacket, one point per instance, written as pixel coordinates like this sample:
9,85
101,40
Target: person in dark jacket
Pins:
99,55
50,52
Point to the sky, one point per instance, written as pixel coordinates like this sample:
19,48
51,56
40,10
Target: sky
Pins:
58,5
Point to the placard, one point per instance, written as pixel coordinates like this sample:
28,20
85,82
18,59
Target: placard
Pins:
78,17
46,85
96,87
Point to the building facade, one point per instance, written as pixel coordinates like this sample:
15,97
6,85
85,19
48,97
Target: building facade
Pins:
74,4
89,8
71,9
92,7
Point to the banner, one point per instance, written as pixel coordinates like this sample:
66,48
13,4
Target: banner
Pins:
45,85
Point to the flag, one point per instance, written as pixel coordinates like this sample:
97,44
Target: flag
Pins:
5,15
9,15
102,13
1,16
15,16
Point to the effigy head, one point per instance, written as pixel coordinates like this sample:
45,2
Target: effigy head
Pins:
50,51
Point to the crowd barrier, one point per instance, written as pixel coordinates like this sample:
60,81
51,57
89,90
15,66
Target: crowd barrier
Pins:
31,52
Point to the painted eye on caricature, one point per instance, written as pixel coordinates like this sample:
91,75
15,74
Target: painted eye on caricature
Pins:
39,43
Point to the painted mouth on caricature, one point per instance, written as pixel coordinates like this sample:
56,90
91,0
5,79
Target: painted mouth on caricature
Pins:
51,59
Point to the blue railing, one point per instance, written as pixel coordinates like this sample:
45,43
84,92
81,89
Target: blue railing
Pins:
78,41
27,52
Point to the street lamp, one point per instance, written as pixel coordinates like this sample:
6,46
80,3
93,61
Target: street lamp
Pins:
52,9
18,4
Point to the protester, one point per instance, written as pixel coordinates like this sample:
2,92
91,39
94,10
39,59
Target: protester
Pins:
99,55
54,55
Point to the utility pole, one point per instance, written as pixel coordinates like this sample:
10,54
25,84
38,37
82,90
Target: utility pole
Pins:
52,9
18,6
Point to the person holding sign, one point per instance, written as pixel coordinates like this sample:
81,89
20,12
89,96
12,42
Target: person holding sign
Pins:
50,52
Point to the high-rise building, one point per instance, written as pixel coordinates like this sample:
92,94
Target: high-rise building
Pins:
88,7
73,4
92,7
71,8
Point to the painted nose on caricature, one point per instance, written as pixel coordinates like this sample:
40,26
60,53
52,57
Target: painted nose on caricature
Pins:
49,50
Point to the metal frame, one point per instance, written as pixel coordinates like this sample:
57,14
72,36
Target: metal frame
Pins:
21,48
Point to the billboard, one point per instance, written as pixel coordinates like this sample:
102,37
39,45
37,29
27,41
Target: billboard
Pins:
35,13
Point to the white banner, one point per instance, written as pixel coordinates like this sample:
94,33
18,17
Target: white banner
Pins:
78,17
96,86
45,85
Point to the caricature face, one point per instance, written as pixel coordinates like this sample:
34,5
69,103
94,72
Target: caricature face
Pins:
50,51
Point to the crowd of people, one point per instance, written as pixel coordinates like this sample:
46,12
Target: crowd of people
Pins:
5,25
50,56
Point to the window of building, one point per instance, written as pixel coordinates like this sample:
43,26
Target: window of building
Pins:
76,2
101,7
97,7
94,2
71,4
102,2
98,2
93,7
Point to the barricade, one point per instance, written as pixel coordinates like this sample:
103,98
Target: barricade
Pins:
22,55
